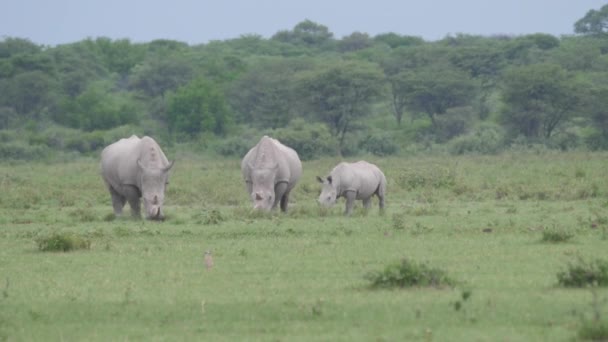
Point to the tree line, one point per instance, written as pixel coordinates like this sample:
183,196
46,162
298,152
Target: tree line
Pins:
322,94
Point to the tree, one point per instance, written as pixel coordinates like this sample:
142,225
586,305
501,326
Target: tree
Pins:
97,108
306,33
118,56
341,92
394,40
198,107
355,41
264,96
431,90
595,22
400,67
156,76
28,93
538,98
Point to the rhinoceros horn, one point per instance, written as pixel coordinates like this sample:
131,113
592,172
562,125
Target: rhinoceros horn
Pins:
168,167
258,196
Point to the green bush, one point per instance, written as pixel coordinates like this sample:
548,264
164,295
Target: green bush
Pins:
86,142
18,150
584,273
453,123
62,242
409,274
380,145
310,140
234,147
487,139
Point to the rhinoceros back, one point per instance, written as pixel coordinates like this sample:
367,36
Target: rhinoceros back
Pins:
362,177
119,160
270,153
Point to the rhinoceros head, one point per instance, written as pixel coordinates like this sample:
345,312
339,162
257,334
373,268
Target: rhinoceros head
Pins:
153,184
329,192
262,193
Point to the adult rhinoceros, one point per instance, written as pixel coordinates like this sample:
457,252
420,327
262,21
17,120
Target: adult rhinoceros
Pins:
136,168
354,181
270,170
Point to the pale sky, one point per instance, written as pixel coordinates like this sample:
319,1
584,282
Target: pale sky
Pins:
52,22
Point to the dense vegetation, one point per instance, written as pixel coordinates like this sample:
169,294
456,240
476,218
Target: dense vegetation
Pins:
381,94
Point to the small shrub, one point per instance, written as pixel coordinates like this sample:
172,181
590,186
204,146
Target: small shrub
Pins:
382,145
234,147
62,242
83,215
595,328
208,217
584,273
311,140
553,235
594,331
487,139
398,221
409,274
433,177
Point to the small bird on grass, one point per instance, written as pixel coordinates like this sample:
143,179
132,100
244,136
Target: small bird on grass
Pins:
208,260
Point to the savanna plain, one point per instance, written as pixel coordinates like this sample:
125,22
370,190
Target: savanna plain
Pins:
303,275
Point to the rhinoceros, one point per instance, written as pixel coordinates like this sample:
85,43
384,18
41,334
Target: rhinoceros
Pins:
136,168
354,181
270,170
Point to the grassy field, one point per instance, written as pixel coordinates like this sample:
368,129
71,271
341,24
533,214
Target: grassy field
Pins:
301,276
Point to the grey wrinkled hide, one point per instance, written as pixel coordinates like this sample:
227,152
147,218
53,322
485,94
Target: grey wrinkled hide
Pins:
270,170
354,181
136,168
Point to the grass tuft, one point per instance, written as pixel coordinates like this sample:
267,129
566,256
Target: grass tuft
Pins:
409,274
556,236
209,217
62,242
584,273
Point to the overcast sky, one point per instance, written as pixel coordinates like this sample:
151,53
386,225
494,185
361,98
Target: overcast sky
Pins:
52,22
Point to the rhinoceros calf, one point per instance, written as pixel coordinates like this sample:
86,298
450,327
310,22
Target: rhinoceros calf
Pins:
354,181
136,168
270,170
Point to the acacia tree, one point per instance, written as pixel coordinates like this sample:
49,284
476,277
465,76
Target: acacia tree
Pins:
432,90
538,98
306,33
341,92
595,22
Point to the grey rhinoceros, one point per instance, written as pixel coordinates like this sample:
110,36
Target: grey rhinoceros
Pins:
136,168
354,181
270,170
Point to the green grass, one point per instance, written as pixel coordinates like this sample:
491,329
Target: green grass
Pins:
302,276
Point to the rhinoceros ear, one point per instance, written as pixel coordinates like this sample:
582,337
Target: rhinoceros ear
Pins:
320,179
329,179
167,168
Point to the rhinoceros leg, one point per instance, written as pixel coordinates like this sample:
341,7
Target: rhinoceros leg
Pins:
350,201
380,193
285,201
132,194
367,202
280,192
118,201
